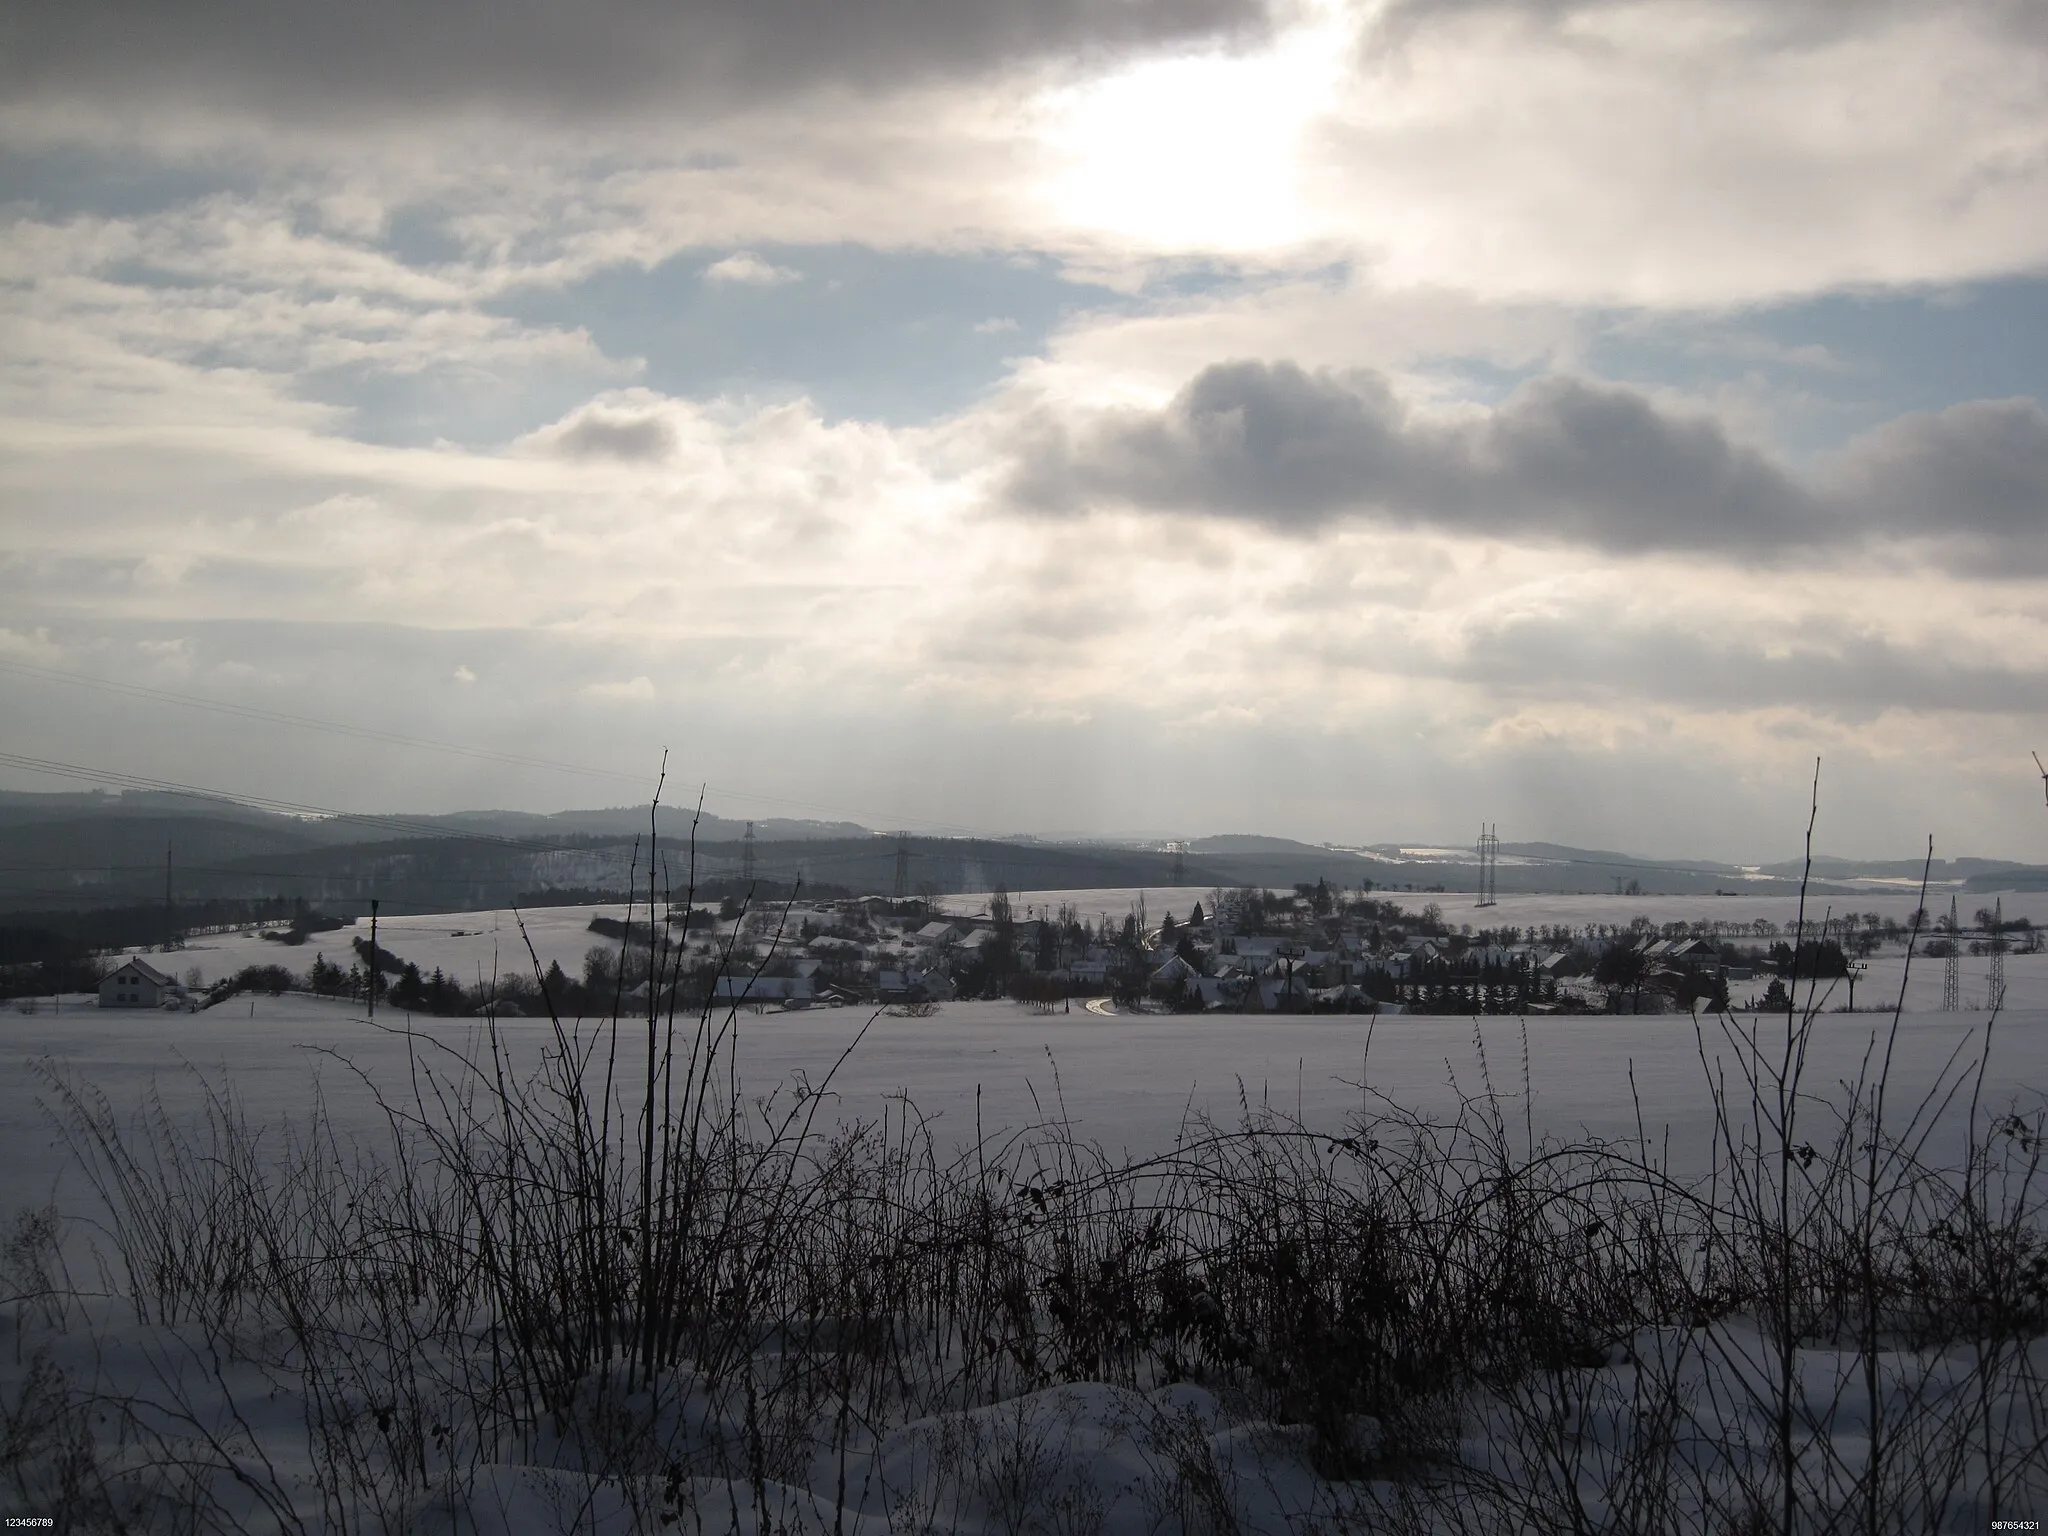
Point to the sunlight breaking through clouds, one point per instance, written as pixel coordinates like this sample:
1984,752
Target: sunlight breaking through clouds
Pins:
1203,152
1448,387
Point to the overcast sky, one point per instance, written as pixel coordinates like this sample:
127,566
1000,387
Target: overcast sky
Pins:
1351,422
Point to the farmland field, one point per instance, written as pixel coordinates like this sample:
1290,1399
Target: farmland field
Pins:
1127,1082
987,1439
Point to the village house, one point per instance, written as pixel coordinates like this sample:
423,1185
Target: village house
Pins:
1170,977
1691,954
135,983
1091,969
898,986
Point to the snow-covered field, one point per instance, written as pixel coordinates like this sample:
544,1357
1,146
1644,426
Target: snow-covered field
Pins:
1131,1083
281,1449
2026,983
468,946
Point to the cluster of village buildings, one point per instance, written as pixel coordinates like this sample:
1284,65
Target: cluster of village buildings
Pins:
1289,955
857,952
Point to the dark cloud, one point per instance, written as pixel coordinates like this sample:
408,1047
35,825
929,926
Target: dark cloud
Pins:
1976,471
336,58
1561,459
641,439
1757,26
1824,669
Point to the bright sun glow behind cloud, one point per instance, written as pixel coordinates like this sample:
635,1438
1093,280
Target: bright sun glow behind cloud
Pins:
1199,151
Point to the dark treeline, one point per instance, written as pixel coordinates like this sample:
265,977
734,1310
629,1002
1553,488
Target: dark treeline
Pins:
58,951
37,961
124,927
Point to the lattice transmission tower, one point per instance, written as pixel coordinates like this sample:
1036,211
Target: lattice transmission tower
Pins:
747,855
1995,997
1489,864
902,865
1952,972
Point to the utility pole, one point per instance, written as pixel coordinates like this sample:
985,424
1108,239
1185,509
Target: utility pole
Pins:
373,959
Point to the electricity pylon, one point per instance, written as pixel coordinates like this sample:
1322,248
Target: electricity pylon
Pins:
1996,998
1952,973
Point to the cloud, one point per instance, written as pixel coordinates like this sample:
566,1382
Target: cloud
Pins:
633,439
463,674
632,690
300,59
1977,472
33,645
746,268
1655,153
1822,666
954,629
1760,25
1562,458
1669,152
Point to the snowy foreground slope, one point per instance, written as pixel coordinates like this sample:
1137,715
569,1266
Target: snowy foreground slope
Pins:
1017,1272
